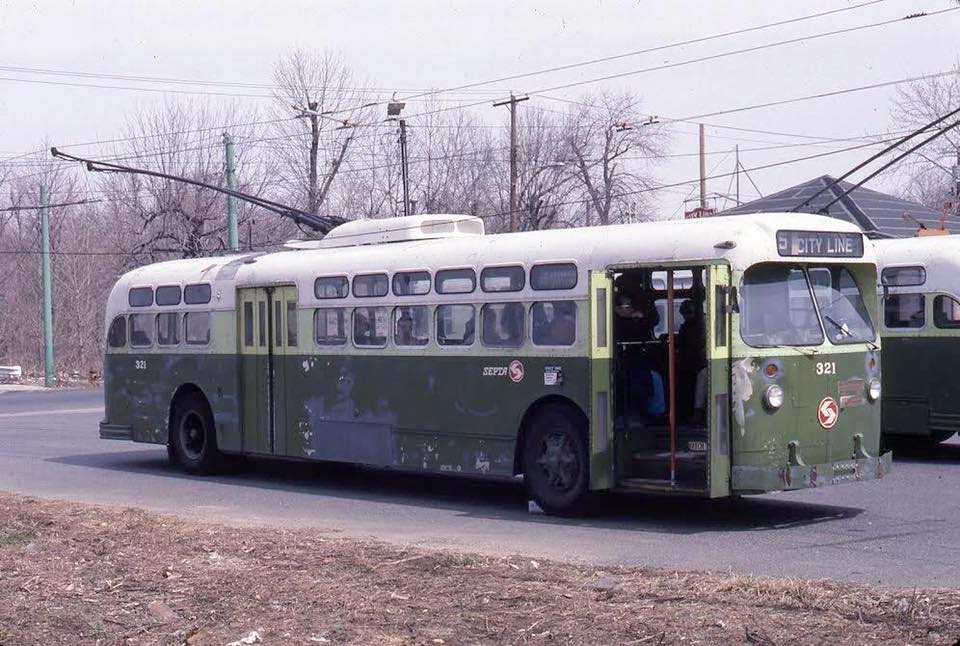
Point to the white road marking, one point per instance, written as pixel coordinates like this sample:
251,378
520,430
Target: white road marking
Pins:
95,409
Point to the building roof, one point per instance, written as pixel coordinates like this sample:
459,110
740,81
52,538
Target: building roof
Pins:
878,214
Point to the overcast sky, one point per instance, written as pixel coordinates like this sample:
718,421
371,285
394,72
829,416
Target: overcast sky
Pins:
404,45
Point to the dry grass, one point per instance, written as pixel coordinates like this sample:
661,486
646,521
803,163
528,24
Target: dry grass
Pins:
78,574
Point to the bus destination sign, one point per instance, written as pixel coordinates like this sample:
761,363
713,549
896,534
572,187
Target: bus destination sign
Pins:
820,243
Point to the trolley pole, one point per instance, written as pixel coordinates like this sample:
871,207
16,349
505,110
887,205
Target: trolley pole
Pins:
48,367
403,167
512,102
233,235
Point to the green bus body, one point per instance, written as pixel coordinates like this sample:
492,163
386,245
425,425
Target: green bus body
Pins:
920,325
464,410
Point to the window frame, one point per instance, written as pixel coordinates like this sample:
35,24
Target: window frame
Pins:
140,290
923,310
437,327
899,268
121,318
353,327
345,282
949,325
540,265
393,326
150,326
523,325
397,274
177,333
386,284
438,279
523,282
164,289
192,288
347,318
576,326
186,337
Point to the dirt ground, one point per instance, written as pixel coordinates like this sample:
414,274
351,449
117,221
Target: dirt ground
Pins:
79,574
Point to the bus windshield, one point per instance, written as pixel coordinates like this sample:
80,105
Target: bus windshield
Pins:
778,306
841,305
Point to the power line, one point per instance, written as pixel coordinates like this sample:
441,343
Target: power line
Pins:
711,57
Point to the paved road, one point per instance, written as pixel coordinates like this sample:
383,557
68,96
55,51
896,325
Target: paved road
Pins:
903,531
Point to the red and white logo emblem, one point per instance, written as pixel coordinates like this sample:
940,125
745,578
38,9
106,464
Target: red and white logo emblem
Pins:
828,413
515,371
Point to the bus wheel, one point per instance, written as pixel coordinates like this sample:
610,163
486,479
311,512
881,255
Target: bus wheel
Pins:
555,461
193,438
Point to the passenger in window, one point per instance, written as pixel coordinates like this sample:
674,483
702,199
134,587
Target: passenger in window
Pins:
563,327
404,332
491,328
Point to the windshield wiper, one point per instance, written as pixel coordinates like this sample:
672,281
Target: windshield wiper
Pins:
844,330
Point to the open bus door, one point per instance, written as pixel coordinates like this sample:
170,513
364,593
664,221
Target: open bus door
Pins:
719,308
267,322
602,451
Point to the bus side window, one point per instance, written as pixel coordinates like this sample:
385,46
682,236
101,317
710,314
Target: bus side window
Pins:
141,328
168,328
455,324
904,311
370,326
330,326
117,337
502,324
292,324
248,324
946,312
554,322
196,328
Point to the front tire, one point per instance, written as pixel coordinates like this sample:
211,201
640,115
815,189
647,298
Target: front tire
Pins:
556,469
193,434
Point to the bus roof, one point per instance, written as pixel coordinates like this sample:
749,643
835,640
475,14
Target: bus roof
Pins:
938,255
740,240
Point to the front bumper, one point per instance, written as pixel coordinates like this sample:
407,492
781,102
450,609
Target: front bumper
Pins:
110,431
751,479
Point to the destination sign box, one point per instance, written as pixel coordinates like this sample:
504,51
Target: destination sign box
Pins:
820,243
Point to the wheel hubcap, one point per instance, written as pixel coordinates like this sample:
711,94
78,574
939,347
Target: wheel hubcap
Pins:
558,461
193,436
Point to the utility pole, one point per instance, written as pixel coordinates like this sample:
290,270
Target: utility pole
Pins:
394,108
312,205
233,235
48,367
403,166
703,172
512,102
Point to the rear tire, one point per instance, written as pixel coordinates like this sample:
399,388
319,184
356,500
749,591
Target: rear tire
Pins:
555,461
193,434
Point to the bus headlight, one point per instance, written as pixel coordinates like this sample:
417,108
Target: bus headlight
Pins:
773,397
873,389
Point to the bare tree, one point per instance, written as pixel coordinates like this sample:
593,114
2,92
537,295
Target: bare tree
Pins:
162,218
544,178
927,176
611,149
318,106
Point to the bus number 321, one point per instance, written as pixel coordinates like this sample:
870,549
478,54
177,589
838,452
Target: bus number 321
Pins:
826,368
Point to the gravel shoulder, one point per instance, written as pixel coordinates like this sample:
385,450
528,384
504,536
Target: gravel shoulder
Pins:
74,573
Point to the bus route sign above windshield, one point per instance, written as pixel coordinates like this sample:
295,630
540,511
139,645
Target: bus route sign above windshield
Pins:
834,244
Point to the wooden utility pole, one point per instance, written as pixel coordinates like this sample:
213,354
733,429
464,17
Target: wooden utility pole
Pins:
313,202
512,102
703,173
403,167
49,376
233,237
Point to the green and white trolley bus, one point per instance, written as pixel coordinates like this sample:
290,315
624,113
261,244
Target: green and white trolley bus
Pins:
716,357
920,286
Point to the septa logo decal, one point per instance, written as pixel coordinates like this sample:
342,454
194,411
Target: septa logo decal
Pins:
515,371
828,413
